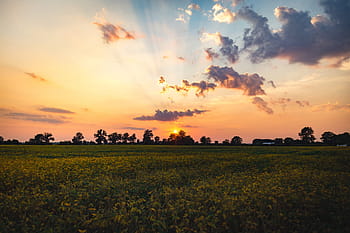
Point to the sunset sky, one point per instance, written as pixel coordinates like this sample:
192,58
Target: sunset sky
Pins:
257,69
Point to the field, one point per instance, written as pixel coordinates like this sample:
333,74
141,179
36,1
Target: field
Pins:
174,189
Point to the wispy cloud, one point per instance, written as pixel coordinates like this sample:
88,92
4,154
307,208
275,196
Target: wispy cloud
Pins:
186,13
36,117
331,107
262,105
169,115
35,76
200,87
133,128
55,110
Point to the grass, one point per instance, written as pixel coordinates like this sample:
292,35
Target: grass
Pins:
174,189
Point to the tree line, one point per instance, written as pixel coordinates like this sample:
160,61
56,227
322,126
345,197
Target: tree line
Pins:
306,137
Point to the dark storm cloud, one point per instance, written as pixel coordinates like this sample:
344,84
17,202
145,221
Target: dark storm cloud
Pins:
35,117
169,115
302,38
56,110
262,105
226,77
35,76
113,33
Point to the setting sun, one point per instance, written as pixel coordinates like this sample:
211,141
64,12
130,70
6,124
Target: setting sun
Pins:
175,131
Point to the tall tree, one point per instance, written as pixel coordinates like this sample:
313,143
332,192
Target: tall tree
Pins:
100,136
328,138
47,137
156,139
180,139
78,138
307,135
148,136
236,140
1,140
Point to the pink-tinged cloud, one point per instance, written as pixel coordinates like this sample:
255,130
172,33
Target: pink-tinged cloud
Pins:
34,76
262,105
169,115
331,107
210,54
226,77
112,33
200,87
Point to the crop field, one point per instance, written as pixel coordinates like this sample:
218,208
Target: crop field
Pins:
134,188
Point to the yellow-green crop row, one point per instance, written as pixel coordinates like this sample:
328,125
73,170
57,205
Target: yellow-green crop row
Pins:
174,189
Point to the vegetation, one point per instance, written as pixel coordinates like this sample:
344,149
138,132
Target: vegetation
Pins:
174,189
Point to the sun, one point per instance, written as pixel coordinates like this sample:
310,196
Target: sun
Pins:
175,131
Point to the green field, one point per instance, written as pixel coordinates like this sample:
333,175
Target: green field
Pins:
137,188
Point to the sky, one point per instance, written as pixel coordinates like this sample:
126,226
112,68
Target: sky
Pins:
218,68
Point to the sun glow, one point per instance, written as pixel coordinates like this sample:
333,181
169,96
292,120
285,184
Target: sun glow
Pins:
175,131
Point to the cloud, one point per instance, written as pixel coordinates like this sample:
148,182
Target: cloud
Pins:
331,107
262,105
181,58
189,126
35,117
55,110
210,54
185,14
34,76
193,6
271,83
236,2
302,103
302,38
133,128
200,87
222,14
227,48
226,77
169,115
111,32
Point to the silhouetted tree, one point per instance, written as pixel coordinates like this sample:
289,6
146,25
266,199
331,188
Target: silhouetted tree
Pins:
100,136
226,142
48,137
125,137
180,138
278,141
148,137
156,139
78,138
205,140
132,138
288,141
236,140
328,138
38,139
114,137
1,140
342,139
306,135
